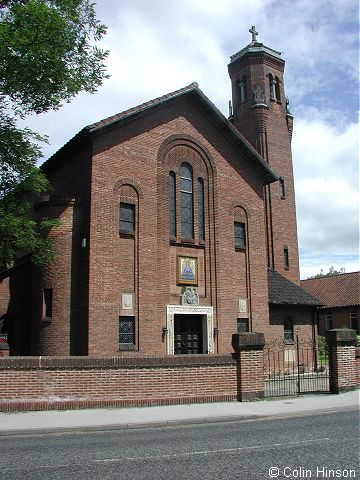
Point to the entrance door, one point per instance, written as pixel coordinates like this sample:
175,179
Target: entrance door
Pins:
187,334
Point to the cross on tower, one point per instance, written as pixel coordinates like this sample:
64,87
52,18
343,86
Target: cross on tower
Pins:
253,33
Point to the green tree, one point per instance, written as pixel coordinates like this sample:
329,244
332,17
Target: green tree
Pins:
332,271
47,56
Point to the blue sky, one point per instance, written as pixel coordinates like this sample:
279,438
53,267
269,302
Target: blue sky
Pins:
158,46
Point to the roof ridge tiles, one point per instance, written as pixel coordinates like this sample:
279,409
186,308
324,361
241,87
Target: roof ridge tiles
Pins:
142,106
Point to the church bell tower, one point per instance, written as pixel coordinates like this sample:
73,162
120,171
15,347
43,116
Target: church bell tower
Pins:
260,111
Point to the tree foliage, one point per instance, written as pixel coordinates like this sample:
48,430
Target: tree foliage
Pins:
332,271
47,56
46,52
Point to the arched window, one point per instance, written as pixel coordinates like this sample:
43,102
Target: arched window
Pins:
277,89
288,329
172,204
242,89
186,198
272,87
201,209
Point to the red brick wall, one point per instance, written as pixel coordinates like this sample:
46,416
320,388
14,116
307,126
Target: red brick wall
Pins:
137,158
32,383
251,375
70,178
141,154
357,366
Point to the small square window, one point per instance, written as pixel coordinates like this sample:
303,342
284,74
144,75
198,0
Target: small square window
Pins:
127,218
242,325
239,232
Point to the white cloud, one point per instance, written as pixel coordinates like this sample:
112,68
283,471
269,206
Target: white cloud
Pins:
327,194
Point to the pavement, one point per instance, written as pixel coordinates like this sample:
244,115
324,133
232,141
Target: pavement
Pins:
56,421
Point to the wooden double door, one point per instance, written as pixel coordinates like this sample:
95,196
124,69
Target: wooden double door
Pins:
188,334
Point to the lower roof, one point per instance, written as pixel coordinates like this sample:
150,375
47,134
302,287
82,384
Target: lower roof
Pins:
284,292
341,290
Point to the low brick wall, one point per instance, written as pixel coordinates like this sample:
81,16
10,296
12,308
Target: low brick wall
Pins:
48,383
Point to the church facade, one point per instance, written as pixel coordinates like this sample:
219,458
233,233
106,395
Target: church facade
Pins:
178,227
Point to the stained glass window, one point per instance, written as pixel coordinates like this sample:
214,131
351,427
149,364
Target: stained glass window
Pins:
186,192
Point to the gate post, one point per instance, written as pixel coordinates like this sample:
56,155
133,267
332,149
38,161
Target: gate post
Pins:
342,363
249,350
4,346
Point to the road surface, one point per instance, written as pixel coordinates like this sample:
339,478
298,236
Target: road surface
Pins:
312,446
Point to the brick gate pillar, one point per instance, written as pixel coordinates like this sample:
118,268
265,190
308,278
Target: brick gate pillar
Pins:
249,349
342,362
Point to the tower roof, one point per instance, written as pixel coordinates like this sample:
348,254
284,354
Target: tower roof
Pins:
255,47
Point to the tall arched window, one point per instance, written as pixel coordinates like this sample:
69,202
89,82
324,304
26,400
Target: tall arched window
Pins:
201,208
272,86
186,192
172,204
242,89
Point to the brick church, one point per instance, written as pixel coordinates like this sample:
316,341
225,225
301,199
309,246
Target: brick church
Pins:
178,227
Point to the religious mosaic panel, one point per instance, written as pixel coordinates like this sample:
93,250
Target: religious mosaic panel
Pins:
187,271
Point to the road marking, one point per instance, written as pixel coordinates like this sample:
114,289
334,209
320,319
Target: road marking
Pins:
209,452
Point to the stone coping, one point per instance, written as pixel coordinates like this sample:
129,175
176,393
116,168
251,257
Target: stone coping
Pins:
341,337
77,362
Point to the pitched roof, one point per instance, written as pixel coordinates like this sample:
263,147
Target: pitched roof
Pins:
193,90
142,107
284,292
335,290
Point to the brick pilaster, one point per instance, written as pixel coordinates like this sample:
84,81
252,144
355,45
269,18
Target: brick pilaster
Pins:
249,348
342,362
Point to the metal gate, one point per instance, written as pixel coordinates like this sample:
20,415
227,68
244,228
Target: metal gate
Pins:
292,367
